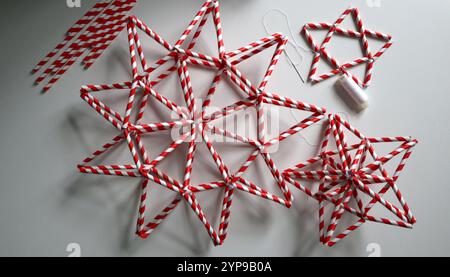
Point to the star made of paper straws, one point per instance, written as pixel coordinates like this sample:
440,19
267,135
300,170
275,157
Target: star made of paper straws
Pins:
342,178
361,33
198,122
345,178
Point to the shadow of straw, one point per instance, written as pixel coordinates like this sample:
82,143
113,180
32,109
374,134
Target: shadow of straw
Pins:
102,192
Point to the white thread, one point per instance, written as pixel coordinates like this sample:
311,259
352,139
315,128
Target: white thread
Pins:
307,140
355,92
292,41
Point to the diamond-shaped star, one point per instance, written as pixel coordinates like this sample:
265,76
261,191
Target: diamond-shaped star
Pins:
344,180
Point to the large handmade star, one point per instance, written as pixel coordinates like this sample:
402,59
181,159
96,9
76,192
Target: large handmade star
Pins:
197,121
344,180
361,33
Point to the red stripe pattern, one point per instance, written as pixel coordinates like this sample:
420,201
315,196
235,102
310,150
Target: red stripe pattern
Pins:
90,35
199,124
343,179
348,183
361,33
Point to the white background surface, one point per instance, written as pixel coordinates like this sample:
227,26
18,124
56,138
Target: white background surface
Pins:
45,204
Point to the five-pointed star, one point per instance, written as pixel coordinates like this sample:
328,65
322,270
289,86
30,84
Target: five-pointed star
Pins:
361,33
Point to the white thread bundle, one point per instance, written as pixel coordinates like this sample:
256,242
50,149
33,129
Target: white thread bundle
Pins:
355,92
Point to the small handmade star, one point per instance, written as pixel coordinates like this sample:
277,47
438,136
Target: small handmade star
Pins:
344,180
361,33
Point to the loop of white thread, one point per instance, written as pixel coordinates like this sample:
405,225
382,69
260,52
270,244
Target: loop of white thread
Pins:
293,42
307,140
